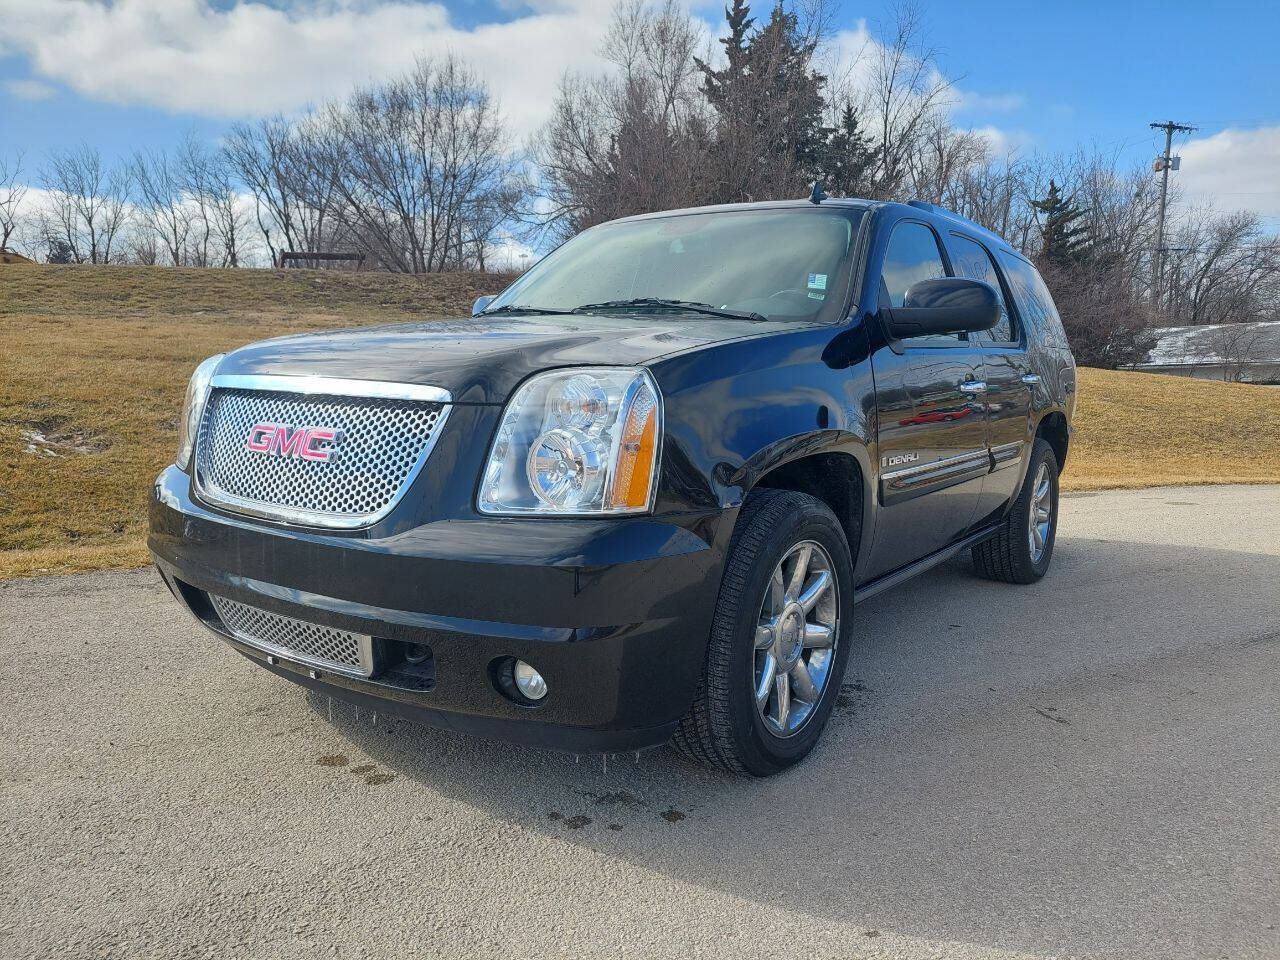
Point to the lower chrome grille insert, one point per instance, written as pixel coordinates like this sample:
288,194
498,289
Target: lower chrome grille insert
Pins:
311,643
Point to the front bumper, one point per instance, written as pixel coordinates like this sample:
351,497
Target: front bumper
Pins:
614,613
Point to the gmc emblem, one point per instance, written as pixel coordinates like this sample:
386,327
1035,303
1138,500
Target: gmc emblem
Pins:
281,440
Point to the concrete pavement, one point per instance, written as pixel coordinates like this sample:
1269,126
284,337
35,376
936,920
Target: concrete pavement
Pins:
1087,767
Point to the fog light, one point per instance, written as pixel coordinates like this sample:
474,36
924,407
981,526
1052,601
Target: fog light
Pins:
529,681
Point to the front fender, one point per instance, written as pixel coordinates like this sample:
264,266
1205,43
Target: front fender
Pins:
736,411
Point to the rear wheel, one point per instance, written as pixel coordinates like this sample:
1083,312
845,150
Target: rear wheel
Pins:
779,638
1022,550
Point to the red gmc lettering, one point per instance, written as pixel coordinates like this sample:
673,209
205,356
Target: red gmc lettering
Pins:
318,435
279,439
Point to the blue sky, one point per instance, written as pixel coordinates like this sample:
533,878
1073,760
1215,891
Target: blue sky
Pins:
138,73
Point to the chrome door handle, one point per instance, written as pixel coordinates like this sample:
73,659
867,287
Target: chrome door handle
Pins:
973,386
1031,379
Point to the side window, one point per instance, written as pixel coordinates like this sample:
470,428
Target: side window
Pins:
1034,301
974,262
911,256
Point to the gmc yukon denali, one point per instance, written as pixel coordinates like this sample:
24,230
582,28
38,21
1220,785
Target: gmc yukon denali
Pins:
637,497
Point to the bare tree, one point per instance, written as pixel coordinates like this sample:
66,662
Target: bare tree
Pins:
229,213
938,169
905,92
294,198
87,204
1108,320
142,245
196,172
419,167
636,139
12,193
162,201
1238,346
1225,268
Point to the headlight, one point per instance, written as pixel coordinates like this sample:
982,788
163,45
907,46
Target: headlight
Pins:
576,441
193,408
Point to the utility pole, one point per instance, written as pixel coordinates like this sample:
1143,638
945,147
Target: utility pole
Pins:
1163,164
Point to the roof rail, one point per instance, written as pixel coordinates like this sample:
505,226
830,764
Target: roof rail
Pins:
951,214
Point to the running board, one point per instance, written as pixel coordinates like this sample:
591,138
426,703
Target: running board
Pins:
902,574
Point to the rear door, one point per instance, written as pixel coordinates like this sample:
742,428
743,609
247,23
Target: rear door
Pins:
1005,368
931,432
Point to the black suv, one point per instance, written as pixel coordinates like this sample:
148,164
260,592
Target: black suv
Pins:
637,497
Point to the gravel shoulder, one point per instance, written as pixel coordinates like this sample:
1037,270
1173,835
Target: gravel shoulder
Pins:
1088,767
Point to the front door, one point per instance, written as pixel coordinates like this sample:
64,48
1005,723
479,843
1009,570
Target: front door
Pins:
931,429
1006,370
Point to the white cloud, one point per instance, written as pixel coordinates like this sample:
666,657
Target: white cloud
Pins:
1234,169
253,58
967,101
1003,142
29,89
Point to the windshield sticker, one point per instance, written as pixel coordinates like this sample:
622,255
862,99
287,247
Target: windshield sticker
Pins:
817,296
817,281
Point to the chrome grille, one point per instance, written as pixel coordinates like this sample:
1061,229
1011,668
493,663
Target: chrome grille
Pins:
383,440
299,640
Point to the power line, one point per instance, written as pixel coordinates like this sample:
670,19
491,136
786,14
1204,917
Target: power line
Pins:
1163,164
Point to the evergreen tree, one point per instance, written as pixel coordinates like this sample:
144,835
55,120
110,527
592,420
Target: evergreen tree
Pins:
782,58
770,139
1064,240
60,252
715,82
850,158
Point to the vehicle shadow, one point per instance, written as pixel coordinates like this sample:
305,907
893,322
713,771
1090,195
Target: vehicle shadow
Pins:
1013,766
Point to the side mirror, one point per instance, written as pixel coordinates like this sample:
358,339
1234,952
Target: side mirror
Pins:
477,308
945,305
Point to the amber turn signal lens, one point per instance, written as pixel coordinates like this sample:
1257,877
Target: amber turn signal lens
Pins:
633,477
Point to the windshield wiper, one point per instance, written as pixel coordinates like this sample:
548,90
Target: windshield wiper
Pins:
688,306
523,308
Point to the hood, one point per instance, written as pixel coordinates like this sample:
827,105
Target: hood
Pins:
481,360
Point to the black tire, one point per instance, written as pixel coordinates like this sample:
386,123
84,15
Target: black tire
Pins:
1009,556
723,727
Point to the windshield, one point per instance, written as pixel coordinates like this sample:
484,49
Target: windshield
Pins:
789,264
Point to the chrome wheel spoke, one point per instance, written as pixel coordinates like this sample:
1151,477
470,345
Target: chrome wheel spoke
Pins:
803,683
782,687
777,592
810,597
817,636
764,636
765,686
801,571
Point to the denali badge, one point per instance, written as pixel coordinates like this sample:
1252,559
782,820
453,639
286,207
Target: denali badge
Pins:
281,440
899,459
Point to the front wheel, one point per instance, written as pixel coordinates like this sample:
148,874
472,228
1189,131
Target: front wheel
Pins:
779,638
1022,549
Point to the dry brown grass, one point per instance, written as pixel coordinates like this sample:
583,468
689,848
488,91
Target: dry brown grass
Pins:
1150,430
95,361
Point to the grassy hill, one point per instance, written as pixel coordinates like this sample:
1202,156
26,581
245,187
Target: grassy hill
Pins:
94,362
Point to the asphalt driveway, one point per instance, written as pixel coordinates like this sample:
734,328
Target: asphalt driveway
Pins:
1090,766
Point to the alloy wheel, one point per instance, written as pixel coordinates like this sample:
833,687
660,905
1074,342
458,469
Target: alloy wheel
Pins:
796,636
1040,514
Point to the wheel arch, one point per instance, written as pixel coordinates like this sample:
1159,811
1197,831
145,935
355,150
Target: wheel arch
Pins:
837,478
1055,431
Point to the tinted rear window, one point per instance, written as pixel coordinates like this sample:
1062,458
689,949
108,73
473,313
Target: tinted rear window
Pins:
1034,301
